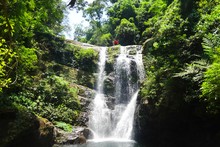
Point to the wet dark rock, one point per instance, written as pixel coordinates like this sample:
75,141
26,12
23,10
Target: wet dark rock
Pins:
19,128
110,101
79,135
133,51
166,126
85,95
86,79
109,86
83,119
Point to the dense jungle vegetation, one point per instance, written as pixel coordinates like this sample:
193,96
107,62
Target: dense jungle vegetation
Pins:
180,40
181,48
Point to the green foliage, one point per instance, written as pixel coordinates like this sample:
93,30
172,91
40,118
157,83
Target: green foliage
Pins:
27,58
79,34
169,23
148,89
50,16
6,64
171,20
106,39
59,113
64,126
123,14
85,53
194,71
122,9
20,20
86,58
211,87
52,98
211,84
210,45
95,11
100,27
164,46
166,53
126,32
94,15
208,29
56,90
146,13
209,22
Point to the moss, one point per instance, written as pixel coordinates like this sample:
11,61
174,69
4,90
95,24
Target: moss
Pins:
64,126
86,59
112,53
50,92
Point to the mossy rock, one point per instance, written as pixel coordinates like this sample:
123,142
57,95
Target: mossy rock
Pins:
112,54
20,128
86,79
109,85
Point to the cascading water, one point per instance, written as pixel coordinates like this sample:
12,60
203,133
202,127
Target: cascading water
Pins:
117,122
99,120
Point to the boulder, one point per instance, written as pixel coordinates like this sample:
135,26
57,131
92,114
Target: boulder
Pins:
83,119
79,135
85,95
20,128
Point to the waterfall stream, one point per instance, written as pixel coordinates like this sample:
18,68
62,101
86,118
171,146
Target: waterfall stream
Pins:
117,123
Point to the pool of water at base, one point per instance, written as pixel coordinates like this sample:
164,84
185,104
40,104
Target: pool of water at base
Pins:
105,144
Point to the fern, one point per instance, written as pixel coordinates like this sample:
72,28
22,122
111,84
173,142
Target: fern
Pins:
193,71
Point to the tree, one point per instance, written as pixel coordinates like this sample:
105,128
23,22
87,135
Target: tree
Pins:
7,64
20,21
209,28
126,32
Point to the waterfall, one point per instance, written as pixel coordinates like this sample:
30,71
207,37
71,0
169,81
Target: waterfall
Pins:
117,122
99,119
101,75
125,125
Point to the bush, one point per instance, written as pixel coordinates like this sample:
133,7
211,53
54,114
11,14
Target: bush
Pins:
52,98
6,64
86,59
126,32
106,40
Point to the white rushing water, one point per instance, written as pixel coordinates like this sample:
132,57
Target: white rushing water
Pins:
124,127
99,120
117,123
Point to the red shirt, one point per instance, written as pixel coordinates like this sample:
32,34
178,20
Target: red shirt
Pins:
116,42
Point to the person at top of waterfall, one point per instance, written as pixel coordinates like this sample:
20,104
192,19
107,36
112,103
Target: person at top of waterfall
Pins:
116,42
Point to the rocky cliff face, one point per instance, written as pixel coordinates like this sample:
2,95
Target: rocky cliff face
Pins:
79,65
66,73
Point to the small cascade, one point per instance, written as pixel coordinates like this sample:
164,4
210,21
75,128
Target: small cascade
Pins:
124,127
117,122
123,87
101,75
100,114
